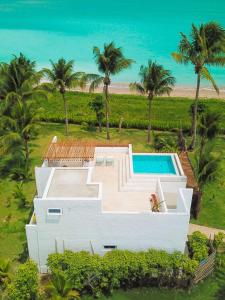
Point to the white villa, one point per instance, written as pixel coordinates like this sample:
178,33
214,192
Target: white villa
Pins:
97,198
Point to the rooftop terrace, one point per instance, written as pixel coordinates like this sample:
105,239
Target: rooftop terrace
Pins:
71,183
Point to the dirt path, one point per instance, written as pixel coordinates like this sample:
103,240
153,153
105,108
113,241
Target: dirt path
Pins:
206,230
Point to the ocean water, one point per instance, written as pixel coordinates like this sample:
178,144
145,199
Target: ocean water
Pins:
147,29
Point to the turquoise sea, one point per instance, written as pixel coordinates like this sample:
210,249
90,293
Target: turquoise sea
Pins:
146,29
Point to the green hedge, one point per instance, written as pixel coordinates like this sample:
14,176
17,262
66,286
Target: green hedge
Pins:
123,269
199,246
25,283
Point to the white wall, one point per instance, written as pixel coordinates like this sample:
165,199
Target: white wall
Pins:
172,186
41,175
111,150
83,224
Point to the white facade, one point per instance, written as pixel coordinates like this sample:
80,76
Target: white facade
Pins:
96,208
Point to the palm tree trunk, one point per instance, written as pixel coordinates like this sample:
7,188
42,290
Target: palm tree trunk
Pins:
107,110
100,125
150,97
66,113
202,146
99,122
194,118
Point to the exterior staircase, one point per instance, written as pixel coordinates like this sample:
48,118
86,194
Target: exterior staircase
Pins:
128,182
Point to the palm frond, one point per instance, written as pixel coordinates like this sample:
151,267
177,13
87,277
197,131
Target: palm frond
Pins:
135,86
205,74
179,58
95,80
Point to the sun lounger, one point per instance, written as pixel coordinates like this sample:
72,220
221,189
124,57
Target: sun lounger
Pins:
99,161
109,161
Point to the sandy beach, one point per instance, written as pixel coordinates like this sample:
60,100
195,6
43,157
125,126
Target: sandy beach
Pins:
179,91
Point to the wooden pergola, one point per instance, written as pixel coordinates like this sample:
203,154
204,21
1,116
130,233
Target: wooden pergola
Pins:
67,150
75,150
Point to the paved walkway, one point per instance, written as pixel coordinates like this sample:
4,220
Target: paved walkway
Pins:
206,230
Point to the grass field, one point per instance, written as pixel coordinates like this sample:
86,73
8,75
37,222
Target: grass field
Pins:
168,113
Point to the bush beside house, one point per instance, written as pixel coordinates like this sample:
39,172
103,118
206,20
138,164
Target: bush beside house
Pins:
123,269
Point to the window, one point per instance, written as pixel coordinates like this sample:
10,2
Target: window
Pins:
55,211
109,247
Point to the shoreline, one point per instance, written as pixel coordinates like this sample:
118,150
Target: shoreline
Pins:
178,91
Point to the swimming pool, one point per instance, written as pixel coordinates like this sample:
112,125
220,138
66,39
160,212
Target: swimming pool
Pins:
153,164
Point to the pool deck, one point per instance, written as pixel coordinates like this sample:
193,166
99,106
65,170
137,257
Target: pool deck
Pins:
113,199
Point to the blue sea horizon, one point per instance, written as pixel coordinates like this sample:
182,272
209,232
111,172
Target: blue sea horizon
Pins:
44,29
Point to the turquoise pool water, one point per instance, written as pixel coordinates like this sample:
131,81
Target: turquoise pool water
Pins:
147,29
153,164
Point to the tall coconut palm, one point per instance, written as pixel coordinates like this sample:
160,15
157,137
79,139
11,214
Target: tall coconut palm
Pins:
62,77
205,47
19,76
60,288
110,61
155,81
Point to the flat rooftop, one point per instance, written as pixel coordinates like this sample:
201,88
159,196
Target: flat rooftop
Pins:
71,183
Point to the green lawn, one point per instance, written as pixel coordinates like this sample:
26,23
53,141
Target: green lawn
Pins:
168,113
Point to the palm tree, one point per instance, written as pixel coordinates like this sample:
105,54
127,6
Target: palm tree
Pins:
110,61
206,166
208,128
155,81
97,106
205,47
19,77
60,288
18,126
62,77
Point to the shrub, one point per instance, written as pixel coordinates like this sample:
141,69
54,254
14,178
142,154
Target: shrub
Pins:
218,239
166,144
25,283
199,246
123,269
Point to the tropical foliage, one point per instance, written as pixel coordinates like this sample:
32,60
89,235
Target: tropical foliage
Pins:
62,77
25,284
205,47
199,246
18,127
60,288
110,61
155,81
97,105
206,166
4,273
19,77
209,126
123,269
